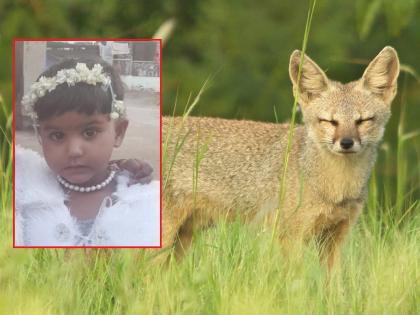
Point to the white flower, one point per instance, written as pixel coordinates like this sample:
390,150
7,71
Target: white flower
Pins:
52,87
47,83
83,76
114,115
97,69
41,92
105,80
119,105
72,77
33,97
42,80
60,78
27,108
35,86
82,68
81,73
91,79
25,99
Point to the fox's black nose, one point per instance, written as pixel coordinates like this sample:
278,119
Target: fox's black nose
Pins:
346,143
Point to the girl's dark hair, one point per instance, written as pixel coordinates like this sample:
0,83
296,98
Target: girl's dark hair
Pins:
81,97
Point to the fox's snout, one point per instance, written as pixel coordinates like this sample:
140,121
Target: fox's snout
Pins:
346,143
346,139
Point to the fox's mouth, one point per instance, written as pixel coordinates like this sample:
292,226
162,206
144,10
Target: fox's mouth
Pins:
340,151
347,152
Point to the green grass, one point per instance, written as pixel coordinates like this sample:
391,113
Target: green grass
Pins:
230,270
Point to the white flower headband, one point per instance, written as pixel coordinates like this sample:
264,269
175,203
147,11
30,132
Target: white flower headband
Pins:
81,73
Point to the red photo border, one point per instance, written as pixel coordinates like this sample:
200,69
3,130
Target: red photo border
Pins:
14,127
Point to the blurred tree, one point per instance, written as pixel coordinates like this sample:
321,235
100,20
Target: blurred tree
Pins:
243,44
248,45
398,14
76,18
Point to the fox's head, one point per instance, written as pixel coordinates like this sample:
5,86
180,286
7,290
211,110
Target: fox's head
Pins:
346,118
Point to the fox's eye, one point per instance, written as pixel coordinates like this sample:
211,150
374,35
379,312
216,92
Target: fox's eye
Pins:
332,122
362,120
56,136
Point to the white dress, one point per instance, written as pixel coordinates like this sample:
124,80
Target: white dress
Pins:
43,219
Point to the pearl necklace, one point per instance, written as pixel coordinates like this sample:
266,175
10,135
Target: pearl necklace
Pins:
73,187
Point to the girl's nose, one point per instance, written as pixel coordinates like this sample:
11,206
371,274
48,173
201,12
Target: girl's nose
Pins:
75,148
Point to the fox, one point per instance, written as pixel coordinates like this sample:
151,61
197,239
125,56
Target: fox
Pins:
242,169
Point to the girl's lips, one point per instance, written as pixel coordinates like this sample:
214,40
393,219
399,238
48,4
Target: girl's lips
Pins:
76,169
77,174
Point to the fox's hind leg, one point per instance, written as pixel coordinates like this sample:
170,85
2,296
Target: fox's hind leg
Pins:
183,239
199,220
181,217
174,216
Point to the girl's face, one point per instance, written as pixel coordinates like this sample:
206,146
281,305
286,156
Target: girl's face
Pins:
78,146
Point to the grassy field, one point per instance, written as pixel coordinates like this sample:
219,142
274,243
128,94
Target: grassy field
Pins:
232,268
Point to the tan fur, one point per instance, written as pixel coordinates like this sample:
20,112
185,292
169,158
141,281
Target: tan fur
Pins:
239,174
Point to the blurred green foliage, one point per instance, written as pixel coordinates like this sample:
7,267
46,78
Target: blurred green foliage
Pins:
246,44
243,45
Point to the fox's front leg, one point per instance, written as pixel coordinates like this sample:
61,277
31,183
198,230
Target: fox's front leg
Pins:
330,242
331,238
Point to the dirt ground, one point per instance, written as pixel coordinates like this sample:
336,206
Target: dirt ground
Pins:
142,138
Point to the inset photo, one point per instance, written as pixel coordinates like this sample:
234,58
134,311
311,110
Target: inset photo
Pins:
87,143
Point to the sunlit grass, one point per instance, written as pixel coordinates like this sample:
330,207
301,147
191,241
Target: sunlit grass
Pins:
231,269
5,168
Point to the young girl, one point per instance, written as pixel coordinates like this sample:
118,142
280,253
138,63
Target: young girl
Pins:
74,196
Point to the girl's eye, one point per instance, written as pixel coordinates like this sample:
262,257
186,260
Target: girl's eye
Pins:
362,120
332,122
89,133
56,136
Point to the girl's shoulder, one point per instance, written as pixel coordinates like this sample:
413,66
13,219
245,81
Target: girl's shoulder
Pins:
34,180
134,219
150,191
30,162
24,156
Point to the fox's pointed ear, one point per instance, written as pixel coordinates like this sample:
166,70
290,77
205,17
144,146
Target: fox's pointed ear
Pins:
312,81
381,75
